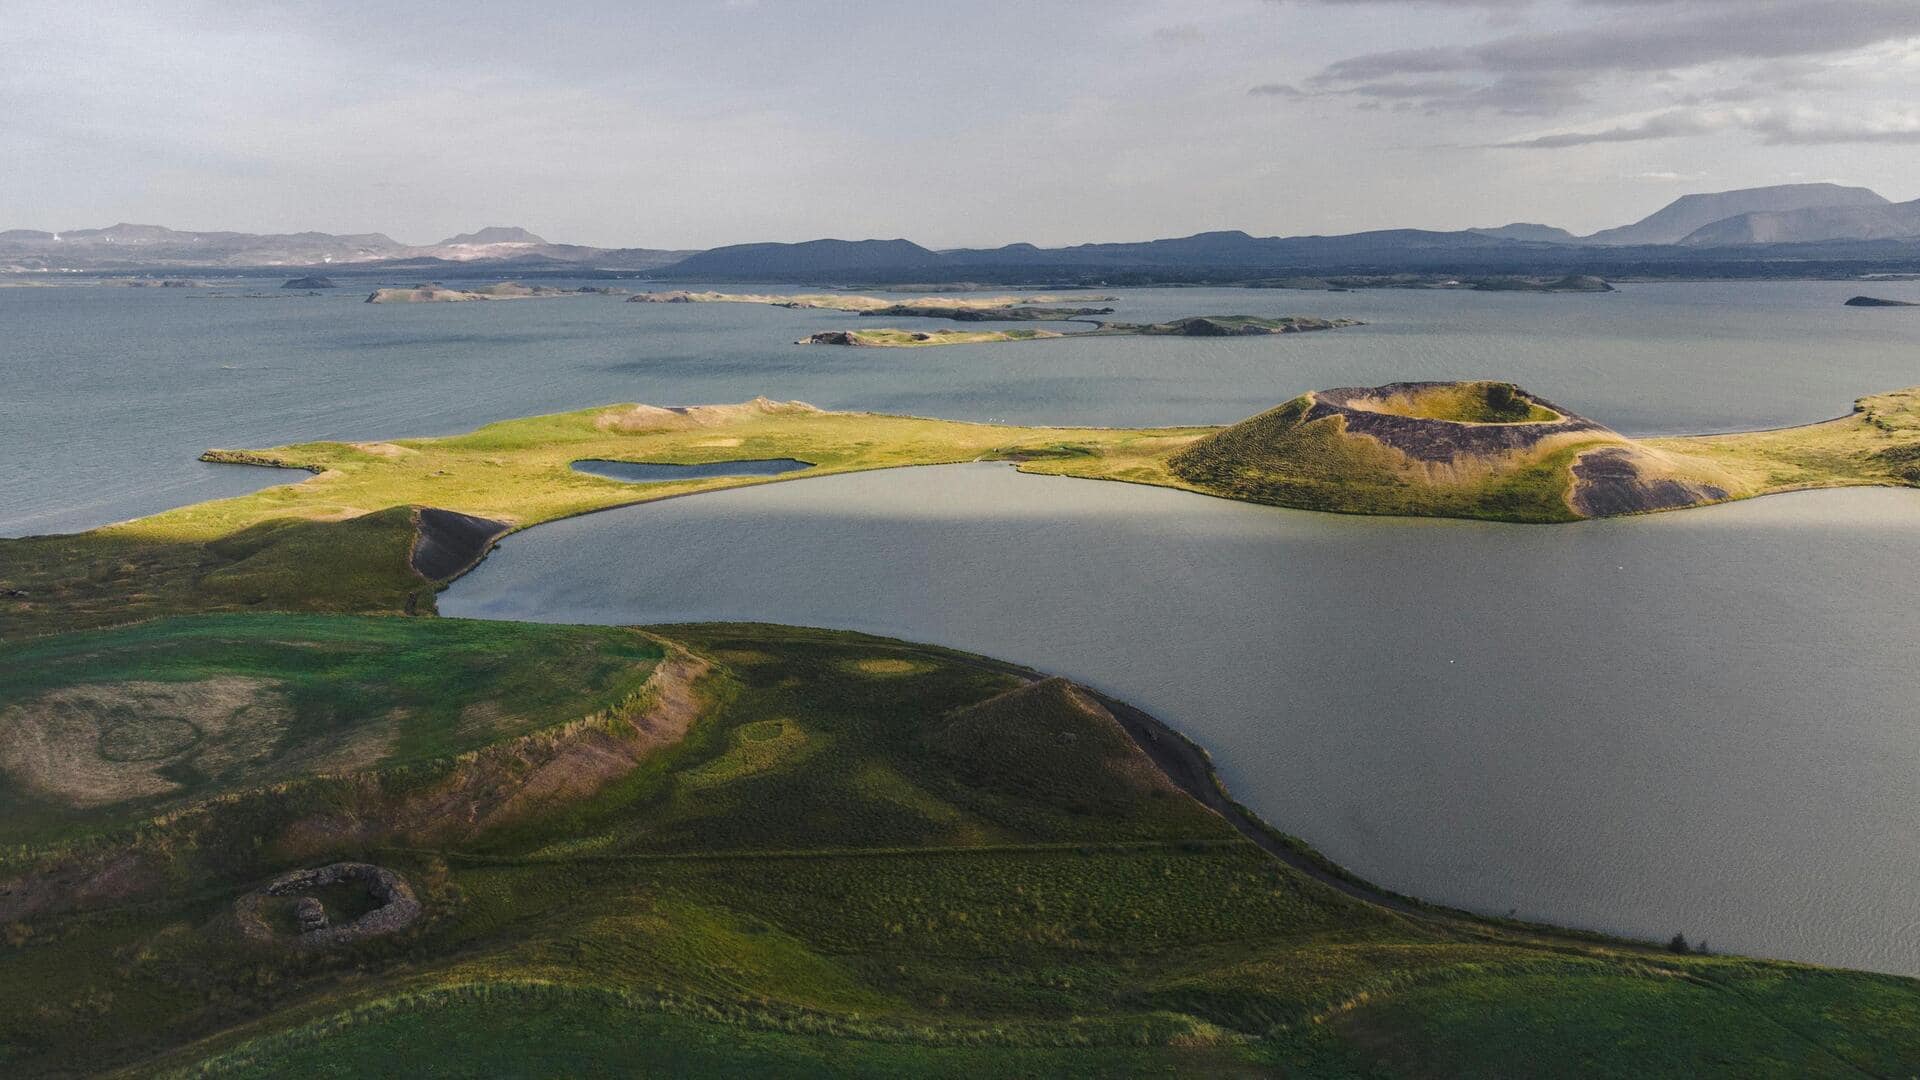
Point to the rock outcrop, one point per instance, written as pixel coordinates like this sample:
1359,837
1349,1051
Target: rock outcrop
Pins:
448,544
395,906
1613,480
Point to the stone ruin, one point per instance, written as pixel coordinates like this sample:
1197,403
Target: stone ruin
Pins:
397,910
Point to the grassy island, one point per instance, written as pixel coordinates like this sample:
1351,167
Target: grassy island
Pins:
731,850
1191,326
910,339
950,307
1225,326
441,294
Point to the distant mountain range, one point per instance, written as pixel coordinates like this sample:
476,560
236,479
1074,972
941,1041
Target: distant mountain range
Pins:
132,247
1687,215
1760,229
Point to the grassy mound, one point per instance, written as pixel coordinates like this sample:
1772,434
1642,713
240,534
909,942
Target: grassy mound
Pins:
961,871
1379,457
105,727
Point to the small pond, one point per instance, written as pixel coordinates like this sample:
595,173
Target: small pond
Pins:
650,472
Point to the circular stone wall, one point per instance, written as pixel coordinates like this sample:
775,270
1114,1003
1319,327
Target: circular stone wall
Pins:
395,906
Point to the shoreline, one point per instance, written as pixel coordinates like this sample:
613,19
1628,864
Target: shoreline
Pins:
1189,766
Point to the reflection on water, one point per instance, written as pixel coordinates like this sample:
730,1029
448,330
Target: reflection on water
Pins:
1701,722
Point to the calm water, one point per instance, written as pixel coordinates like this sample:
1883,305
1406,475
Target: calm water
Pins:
1702,722
108,394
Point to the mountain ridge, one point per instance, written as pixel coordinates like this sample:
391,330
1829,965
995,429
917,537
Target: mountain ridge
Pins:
1678,219
1796,222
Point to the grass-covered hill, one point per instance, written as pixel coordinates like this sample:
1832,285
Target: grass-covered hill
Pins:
847,856
101,729
1491,450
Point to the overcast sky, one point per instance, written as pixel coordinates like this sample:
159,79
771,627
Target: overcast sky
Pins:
952,123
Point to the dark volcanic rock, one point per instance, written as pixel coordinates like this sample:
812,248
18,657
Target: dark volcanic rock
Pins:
449,544
1875,301
1608,481
1438,440
313,282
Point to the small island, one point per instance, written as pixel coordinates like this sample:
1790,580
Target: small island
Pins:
1226,326
1876,301
1191,326
435,293
933,307
1009,313
312,281
911,339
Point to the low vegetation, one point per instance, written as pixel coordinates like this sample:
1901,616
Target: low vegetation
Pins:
860,857
101,728
345,540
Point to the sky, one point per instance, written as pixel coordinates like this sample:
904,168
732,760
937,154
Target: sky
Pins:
953,123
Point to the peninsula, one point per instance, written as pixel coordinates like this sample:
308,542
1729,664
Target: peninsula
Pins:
381,525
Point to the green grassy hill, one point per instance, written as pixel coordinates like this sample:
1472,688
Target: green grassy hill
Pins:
856,857
1434,449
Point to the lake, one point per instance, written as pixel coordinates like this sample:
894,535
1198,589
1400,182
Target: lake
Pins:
1702,722
108,394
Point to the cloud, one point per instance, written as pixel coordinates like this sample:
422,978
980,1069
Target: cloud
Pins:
1180,34
1665,176
1775,127
1765,46
1664,126
1807,128
1483,4
1518,95
1766,30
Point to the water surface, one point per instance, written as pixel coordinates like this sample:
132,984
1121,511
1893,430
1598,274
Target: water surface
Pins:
108,394
1702,722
